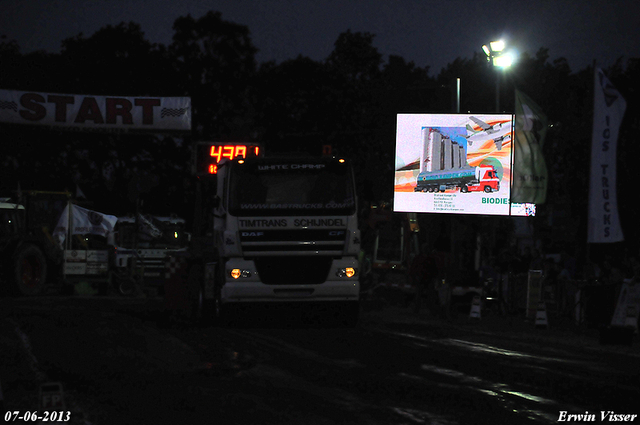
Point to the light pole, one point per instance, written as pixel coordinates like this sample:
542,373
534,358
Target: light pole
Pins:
500,60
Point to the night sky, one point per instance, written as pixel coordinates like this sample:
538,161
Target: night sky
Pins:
429,33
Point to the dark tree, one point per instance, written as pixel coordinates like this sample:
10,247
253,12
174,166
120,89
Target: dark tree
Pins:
215,60
117,60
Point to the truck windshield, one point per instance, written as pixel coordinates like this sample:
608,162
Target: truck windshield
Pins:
168,236
291,188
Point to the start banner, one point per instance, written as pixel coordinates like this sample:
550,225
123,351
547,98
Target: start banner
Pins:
96,112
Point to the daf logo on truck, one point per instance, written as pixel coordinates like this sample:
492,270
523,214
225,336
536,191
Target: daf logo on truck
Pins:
252,234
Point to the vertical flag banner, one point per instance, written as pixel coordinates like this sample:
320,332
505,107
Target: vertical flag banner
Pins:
608,110
529,167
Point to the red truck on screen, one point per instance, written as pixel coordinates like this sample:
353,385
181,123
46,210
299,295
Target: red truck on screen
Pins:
483,178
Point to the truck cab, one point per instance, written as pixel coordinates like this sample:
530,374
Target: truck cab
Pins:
142,245
286,232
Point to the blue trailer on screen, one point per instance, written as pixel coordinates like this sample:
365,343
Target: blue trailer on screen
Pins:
483,178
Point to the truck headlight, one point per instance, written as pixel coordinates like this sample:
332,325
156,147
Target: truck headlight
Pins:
238,273
346,272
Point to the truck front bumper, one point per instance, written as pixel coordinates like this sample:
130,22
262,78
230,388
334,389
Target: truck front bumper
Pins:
259,292
252,289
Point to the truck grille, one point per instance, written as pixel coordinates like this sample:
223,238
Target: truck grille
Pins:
293,242
293,270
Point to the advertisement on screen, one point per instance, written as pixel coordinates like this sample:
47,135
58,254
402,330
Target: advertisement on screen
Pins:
454,163
523,210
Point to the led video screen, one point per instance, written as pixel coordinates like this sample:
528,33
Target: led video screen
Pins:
454,163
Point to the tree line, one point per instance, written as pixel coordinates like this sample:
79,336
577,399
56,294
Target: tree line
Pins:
348,100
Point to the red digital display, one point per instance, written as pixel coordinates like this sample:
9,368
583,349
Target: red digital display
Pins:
211,154
232,151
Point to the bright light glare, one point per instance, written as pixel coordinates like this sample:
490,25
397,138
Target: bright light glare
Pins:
497,46
503,61
486,50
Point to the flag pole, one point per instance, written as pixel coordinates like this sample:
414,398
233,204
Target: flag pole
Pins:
593,112
68,241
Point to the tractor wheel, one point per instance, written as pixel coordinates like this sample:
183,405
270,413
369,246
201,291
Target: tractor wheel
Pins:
30,271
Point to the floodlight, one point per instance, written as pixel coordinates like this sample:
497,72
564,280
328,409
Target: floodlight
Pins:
497,46
503,61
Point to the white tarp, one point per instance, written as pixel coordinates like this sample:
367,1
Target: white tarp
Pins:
529,168
608,110
147,229
84,222
96,112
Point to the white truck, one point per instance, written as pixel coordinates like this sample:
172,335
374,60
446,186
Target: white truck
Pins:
286,231
142,245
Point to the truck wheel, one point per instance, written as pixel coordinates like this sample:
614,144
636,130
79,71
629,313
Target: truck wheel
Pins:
217,308
218,312
30,272
125,285
350,313
487,189
464,189
196,312
221,313
228,316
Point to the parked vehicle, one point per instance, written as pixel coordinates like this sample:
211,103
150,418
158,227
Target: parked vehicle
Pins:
285,231
141,247
29,256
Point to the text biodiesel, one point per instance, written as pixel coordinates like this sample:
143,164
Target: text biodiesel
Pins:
495,201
